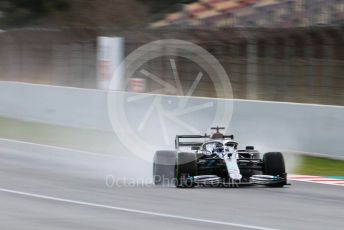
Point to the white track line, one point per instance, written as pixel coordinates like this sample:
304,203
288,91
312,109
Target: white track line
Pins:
134,210
13,141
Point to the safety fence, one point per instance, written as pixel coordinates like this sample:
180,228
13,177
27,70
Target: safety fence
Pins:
296,65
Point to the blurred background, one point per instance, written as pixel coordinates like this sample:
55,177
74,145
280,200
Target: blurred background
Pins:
272,50
276,50
64,134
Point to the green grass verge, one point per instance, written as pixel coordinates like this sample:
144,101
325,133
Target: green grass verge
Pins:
75,138
319,166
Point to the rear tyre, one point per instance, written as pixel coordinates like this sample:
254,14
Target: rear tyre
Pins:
163,167
185,170
274,165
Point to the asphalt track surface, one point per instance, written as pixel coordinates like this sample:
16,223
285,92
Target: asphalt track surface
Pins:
47,188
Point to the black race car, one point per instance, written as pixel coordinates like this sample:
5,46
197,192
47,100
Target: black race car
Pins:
215,160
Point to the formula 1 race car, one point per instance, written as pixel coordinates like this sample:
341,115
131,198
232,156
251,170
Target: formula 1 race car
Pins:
214,160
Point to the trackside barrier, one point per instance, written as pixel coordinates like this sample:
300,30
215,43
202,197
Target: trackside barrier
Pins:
268,125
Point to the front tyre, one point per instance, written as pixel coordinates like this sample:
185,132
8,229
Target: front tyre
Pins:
185,170
273,164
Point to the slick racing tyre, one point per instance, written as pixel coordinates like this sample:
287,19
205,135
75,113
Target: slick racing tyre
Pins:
163,167
273,164
185,170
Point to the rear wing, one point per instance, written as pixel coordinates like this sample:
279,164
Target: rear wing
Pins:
179,142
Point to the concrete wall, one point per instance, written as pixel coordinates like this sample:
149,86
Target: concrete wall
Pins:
267,125
54,105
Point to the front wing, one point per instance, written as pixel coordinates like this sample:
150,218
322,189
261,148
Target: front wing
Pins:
253,180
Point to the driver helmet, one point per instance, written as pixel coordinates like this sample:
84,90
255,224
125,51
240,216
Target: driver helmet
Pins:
218,148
